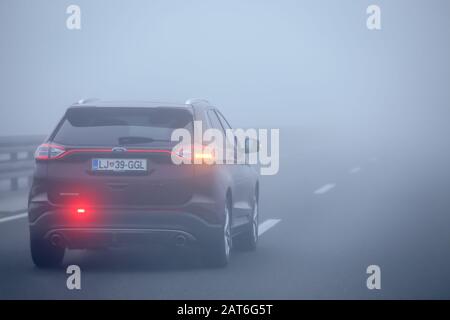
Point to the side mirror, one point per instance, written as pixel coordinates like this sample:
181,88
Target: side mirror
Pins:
251,145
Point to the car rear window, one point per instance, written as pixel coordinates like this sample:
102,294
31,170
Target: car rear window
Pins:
121,126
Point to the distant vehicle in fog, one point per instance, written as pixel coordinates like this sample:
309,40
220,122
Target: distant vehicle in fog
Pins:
105,178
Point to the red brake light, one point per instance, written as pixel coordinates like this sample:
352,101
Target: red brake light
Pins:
81,210
49,151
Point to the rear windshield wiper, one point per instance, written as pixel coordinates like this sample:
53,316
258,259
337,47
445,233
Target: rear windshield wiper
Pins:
137,140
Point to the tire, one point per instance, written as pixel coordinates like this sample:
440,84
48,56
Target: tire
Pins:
44,254
248,240
218,255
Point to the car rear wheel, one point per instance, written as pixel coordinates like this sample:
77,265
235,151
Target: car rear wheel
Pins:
218,255
249,238
44,254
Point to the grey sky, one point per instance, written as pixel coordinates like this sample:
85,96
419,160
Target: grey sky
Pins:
264,63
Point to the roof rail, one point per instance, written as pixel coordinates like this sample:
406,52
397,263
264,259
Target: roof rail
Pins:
87,100
196,100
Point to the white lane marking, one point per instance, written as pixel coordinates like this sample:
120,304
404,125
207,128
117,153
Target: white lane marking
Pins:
266,225
14,217
354,170
325,188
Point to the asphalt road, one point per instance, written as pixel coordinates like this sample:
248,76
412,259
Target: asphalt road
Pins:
345,201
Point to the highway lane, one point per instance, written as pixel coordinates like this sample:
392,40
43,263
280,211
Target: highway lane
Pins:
393,212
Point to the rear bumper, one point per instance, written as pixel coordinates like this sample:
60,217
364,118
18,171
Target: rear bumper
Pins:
74,238
109,228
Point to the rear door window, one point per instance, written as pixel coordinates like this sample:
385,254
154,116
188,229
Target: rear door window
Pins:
224,121
214,120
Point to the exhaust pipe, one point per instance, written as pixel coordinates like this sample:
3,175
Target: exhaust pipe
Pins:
57,240
180,240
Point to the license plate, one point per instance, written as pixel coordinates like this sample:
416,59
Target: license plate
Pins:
119,165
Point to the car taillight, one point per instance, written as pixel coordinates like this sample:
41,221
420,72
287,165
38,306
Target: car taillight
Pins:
202,154
80,212
49,151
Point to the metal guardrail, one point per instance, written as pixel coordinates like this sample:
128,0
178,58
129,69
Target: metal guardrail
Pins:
17,158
